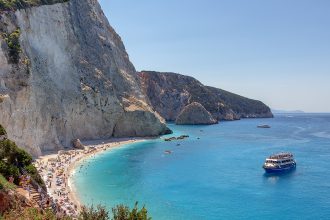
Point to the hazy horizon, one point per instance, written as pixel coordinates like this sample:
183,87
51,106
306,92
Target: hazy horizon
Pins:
275,51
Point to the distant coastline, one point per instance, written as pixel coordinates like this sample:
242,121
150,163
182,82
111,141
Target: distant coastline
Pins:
278,111
301,113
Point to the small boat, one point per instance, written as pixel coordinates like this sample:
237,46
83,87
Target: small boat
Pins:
263,126
278,163
167,152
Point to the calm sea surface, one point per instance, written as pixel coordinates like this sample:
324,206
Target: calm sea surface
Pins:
220,175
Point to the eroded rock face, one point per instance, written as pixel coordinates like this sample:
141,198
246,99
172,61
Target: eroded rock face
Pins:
169,93
74,80
195,114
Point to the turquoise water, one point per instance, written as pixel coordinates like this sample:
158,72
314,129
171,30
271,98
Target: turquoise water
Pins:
220,175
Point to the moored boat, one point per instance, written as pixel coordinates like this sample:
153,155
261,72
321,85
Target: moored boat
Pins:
263,126
281,162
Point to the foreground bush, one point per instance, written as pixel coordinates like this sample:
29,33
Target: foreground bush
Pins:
122,212
32,214
91,213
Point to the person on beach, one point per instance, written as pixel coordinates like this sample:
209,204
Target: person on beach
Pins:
11,179
28,189
47,202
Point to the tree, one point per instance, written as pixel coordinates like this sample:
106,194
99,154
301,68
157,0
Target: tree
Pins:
91,213
122,212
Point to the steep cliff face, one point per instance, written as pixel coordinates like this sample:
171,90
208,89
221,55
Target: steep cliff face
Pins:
169,93
73,79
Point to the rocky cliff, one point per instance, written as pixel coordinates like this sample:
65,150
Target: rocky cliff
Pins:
169,93
64,75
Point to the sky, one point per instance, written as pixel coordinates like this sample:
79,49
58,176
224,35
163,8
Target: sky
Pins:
276,51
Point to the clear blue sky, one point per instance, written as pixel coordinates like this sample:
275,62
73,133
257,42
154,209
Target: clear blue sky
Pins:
277,51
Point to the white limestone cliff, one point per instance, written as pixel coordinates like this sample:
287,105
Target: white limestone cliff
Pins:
74,79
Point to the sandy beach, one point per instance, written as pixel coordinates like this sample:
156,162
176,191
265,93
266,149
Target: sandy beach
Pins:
57,168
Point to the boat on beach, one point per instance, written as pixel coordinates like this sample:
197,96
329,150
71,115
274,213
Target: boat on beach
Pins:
278,163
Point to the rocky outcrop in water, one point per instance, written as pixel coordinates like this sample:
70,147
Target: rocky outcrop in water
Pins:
64,75
169,93
195,114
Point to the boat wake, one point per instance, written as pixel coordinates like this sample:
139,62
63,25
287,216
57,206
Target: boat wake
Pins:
322,134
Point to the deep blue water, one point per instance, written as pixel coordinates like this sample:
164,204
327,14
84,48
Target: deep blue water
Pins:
220,175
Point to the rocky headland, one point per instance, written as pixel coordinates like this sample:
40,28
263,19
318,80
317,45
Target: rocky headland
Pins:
170,93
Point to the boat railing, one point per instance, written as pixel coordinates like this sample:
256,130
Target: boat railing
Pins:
281,156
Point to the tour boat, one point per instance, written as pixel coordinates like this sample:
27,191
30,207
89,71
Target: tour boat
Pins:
280,162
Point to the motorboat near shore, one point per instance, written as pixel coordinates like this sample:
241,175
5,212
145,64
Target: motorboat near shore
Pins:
278,163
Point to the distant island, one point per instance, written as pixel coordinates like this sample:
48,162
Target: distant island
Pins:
277,111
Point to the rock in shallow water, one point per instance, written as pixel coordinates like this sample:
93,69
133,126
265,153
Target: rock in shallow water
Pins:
195,114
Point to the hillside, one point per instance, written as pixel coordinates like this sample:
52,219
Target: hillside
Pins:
169,93
242,106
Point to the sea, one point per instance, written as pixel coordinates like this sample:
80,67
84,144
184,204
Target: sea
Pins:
217,172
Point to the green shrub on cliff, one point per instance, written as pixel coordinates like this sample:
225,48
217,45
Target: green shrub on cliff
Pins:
2,131
14,155
14,46
5,184
12,158
35,175
8,170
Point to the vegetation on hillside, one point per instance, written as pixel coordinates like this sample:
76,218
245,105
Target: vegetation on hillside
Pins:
14,159
8,5
2,131
4,184
13,44
122,212
100,213
32,214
